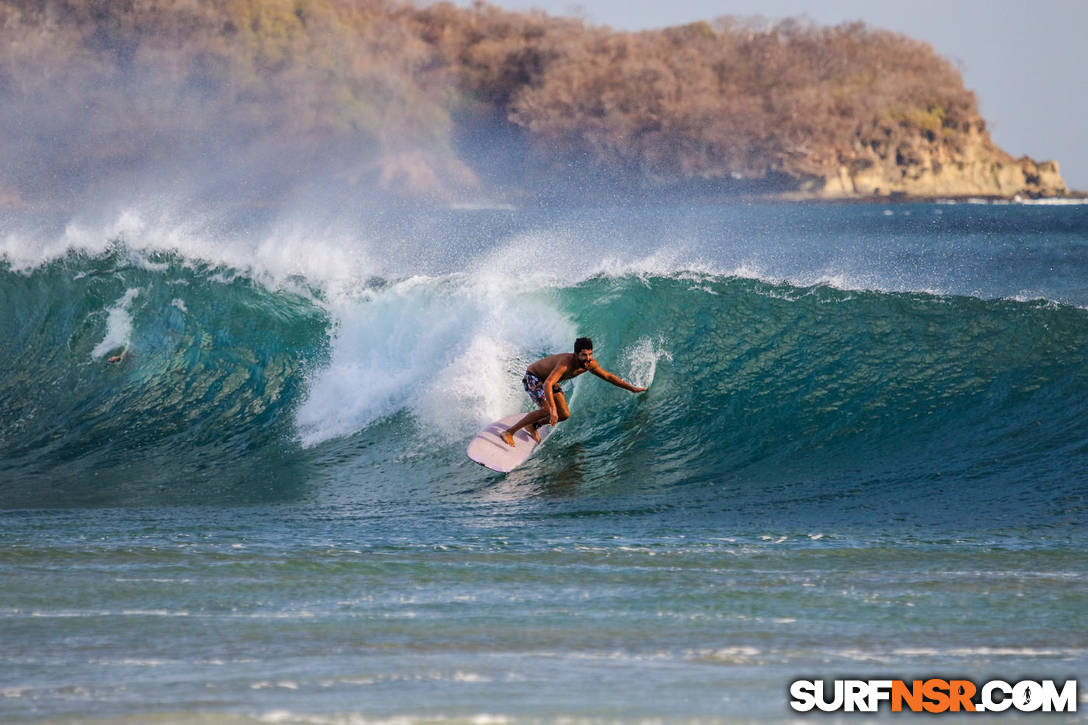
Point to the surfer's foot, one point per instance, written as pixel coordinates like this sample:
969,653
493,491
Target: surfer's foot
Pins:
532,431
507,438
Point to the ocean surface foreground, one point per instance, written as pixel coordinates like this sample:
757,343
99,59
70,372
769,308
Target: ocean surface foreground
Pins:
864,453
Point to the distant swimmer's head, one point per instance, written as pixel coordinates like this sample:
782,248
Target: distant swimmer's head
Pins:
583,350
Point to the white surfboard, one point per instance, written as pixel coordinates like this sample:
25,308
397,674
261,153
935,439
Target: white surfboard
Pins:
488,449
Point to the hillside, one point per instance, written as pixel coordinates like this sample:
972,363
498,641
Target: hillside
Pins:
256,100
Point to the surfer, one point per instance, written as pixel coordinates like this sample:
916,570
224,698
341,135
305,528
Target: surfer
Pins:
542,380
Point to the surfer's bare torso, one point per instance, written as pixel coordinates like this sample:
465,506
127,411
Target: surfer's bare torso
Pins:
565,363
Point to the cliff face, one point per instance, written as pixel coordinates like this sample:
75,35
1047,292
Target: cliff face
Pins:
917,163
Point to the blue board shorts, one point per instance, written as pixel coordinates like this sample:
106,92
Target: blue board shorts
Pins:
534,386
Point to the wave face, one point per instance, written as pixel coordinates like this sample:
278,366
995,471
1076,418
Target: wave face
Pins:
771,394
211,360
822,398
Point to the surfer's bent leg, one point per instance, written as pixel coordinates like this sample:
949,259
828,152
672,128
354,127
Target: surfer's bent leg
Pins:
535,388
561,404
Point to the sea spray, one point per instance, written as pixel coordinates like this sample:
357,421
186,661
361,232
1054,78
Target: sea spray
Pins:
642,357
118,326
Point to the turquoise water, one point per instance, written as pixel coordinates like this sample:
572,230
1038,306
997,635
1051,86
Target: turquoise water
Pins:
862,453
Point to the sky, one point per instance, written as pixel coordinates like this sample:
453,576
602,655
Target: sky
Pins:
1026,60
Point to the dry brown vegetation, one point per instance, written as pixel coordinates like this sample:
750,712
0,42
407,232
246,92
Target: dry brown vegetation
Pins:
380,94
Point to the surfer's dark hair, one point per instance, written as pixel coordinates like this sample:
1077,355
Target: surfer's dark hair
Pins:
582,343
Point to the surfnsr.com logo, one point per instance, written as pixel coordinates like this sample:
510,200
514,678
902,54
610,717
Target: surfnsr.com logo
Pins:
933,695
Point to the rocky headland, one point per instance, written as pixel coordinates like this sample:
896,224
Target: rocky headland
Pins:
255,100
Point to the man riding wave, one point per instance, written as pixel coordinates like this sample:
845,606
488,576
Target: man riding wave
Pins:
542,380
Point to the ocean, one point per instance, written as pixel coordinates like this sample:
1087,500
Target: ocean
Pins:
863,454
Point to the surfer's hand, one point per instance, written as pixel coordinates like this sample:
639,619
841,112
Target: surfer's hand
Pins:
638,390
553,417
